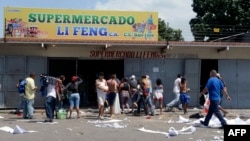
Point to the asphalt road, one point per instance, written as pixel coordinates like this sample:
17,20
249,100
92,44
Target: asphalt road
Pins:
82,130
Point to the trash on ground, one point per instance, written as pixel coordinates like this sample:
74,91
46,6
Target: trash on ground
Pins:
16,130
104,121
183,120
42,122
113,123
215,123
1,117
172,131
70,129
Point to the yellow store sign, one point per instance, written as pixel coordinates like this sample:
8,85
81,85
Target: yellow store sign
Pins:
80,24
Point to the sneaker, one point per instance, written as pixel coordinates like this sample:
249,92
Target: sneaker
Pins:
202,124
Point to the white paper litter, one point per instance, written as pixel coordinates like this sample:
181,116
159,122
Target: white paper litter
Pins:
47,122
215,123
16,130
183,120
152,131
70,129
1,117
113,123
172,131
104,121
171,121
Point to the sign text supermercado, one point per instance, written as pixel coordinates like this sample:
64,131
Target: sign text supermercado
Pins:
80,24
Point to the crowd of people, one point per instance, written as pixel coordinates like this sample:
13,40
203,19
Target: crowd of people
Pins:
128,95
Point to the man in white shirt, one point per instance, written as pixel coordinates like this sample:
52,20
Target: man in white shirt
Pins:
52,94
176,91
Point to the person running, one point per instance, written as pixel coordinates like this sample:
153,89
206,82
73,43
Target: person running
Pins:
214,87
101,89
176,91
225,112
184,97
74,99
158,94
125,92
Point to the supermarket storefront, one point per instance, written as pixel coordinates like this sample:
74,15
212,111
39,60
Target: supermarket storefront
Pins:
74,43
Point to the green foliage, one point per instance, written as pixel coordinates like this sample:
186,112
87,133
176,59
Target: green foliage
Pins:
219,18
167,33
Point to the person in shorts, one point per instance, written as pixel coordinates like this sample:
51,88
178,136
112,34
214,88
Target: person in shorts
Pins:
74,99
113,89
101,89
158,94
184,97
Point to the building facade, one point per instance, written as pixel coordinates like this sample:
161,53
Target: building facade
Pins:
194,60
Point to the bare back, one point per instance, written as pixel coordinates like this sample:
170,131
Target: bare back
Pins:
112,84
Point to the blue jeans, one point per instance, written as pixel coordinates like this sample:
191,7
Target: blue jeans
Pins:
28,110
50,105
141,102
148,101
213,109
74,100
20,105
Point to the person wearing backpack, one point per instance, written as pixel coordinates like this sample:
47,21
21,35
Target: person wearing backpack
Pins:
29,96
74,98
21,83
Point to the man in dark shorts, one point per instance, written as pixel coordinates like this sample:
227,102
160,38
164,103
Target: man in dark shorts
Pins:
113,89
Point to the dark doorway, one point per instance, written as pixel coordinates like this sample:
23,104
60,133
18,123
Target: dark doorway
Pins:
206,66
62,66
89,70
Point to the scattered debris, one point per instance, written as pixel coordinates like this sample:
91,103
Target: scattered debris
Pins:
16,130
1,117
172,131
41,122
70,129
215,123
113,123
183,120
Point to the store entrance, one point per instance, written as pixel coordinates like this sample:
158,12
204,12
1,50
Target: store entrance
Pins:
206,66
87,70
